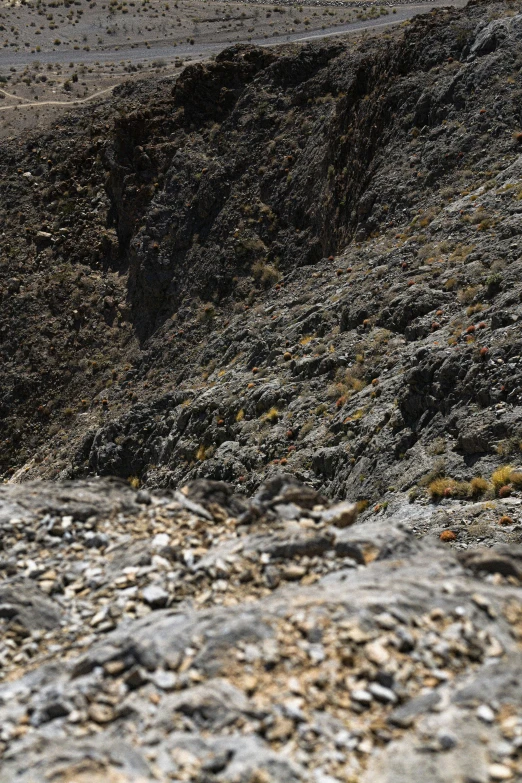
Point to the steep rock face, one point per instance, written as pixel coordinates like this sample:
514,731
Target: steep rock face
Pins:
315,148
274,160
193,321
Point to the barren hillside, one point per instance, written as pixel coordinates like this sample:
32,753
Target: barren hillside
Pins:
276,303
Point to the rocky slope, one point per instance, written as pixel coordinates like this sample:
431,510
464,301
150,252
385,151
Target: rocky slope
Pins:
198,636
305,255
287,280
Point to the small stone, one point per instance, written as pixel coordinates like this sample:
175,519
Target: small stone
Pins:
113,668
156,597
340,515
485,713
295,686
293,572
218,762
406,640
361,697
282,728
484,604
160,540
376,653
136,677
76,716
46,586
173,660
382,694
446,740
499,772
166,680
288,511
99,617
356,634
272,576
494,648
250,683
101,713
386,620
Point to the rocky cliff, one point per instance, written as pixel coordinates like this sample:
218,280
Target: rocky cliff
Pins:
308,255
286,282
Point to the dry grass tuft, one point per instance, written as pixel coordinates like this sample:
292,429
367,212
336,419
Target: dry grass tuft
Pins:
272,416
501,476
516,479
479,486
449,488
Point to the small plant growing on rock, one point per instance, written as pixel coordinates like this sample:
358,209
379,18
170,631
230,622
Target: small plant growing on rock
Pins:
265,274
438,487
516,479
272,416
306,428
449,488
467,295
438,447
479,486
207,313
501,477
448,535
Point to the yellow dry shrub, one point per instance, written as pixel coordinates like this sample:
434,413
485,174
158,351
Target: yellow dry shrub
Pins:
501,476
479,486
516,479
448,487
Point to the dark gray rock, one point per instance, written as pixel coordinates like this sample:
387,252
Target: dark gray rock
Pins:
23,602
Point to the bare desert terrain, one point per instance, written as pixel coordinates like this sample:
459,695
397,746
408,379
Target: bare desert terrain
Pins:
57,54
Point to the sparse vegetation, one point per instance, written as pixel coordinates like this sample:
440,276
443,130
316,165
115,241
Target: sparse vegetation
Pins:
501,477
449,488
265,274
479,486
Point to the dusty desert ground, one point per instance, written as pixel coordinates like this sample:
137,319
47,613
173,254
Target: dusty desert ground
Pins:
60,53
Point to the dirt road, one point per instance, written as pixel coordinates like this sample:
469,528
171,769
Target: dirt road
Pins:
140,53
